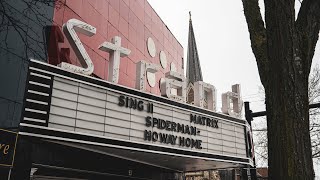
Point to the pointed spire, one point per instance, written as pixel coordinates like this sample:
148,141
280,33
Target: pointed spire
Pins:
194,73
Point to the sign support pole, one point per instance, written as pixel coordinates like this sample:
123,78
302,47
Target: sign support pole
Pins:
9,174
249,118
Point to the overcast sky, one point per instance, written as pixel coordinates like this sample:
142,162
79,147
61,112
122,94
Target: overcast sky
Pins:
222,40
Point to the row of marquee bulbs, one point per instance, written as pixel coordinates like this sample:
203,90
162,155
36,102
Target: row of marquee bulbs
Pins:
231,101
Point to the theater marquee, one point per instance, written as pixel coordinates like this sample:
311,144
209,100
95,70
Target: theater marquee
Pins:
62,105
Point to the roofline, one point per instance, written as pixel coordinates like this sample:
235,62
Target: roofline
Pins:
165,24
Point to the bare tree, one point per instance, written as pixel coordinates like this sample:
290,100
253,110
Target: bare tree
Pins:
284,47
22,26
314,97
260,131
260,142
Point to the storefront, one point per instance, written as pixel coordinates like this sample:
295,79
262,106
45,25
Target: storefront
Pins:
105,97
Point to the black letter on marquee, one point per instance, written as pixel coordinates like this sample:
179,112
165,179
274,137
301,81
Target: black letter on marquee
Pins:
173,139
193,130
181,141
215,123
198,120
154,136
199,144
203,121
193,118
148,121
188,142
194,143
168,125
121,101
140,105
180,128
133,103
155,122
162,124
173,126
127,102
208,122
163,138
150,108
147,135
187,130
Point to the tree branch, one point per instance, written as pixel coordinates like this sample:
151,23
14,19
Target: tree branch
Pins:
307,28
258,36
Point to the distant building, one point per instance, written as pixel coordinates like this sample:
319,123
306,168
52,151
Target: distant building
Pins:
262,173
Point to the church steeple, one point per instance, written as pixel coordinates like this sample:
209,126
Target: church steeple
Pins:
194,73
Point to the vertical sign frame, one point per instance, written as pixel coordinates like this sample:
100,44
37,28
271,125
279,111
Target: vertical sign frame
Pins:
8,143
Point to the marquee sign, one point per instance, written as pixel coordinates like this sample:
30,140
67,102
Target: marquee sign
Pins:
73,107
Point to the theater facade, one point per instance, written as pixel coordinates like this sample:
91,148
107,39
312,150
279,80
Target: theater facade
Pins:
96,89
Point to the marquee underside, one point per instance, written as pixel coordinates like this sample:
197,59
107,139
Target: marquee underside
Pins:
167,161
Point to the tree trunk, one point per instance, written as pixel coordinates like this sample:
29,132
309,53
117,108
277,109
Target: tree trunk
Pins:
284,49
289,145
